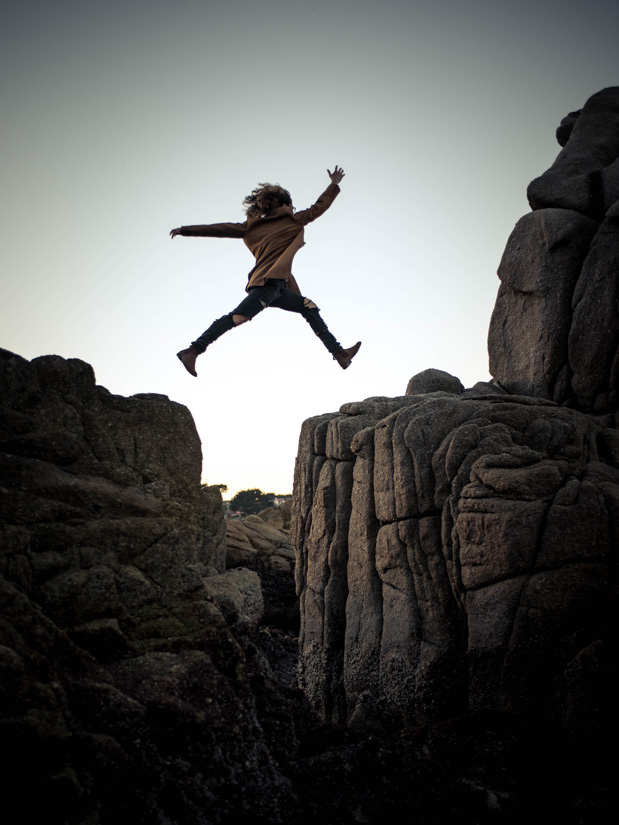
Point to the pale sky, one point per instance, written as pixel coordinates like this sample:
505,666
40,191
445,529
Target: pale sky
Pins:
123,120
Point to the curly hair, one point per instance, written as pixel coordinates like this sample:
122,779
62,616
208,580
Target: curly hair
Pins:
264,198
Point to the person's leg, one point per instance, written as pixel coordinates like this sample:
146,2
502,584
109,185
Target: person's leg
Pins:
312,315
292,302
250,306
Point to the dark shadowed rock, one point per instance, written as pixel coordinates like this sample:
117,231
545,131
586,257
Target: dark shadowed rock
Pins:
564,130
125,658
593,341
553,331
532,317
434,381
585,176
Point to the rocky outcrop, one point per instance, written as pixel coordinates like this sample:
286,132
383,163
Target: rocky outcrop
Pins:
261,539
141,681
457,548
127,674
585,176
554,331
456,555
262,544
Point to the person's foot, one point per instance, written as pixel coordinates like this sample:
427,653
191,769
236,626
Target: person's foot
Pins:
345,356
188,359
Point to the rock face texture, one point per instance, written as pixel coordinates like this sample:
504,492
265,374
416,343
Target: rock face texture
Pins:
456,555
554,331
126,672
263,539
142,682
457,548
262,543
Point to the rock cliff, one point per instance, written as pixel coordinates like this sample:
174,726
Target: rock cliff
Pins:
554,331
127,675
142,682
457,548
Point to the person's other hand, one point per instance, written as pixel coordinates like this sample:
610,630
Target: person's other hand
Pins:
174,233
337,174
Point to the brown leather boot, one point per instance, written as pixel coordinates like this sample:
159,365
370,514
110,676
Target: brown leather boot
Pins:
188,359
344,357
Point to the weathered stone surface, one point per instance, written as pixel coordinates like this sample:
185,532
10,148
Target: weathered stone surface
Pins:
430,555
530,325
553,331
237,593
125,667
594,333
278,516
433,380
565,128
585,175
255,539
457,548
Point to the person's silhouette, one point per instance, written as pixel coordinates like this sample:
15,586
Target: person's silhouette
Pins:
273,232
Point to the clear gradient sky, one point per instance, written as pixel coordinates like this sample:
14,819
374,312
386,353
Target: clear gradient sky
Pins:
123,120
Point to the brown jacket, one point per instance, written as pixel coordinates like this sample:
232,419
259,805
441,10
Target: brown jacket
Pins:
273,240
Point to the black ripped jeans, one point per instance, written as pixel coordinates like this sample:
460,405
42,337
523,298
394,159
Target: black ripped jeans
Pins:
273,294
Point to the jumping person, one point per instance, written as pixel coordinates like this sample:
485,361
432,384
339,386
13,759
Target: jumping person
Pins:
273,232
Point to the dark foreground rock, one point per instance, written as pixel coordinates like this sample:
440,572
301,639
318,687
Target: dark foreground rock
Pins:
554,330
127,668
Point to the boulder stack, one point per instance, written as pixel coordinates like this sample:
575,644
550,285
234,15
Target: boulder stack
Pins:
126,671
457,548
554,331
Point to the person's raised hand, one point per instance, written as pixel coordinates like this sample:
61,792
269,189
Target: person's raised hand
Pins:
337,174
174,233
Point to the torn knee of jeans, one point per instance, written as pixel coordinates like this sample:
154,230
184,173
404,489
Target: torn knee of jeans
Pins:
237,320
309,304
264,306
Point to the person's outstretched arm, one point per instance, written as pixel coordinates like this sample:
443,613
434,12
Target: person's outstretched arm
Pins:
306,216
212,230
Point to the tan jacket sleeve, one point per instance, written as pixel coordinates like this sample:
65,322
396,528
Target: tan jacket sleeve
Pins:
306,216
216,230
